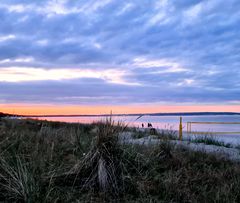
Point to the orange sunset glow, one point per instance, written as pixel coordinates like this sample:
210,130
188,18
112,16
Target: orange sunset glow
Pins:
89,110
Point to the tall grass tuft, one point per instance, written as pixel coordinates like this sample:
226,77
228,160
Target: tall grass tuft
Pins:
17,180
103,161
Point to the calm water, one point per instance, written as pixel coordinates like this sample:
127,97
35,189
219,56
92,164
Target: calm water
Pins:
164,122
172,123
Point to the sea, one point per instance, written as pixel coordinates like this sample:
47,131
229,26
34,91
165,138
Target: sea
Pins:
229,133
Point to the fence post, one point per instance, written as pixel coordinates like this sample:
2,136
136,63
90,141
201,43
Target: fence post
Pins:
180,129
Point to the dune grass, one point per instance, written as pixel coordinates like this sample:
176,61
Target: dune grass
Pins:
44,161
209,139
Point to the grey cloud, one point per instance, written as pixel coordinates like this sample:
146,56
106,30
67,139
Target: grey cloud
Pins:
106,38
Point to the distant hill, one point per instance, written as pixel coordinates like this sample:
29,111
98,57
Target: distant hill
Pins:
5,114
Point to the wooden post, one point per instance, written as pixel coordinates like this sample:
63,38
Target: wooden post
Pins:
180,129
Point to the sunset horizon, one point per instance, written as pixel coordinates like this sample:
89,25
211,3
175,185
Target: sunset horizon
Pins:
121,109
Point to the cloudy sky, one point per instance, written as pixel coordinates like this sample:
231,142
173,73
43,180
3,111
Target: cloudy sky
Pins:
109,53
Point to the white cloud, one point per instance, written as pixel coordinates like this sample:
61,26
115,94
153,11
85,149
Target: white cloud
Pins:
171,70
127,7
17,8
162,14
187,82
93,6
97,45
165,64
193,12
56,7
42,42
53,7
7,37
157,18
204,8
17,60
25,74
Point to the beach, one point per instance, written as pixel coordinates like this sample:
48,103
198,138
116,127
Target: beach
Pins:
171,123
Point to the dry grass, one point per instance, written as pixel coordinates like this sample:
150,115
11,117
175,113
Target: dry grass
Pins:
17,181
57,162
103,161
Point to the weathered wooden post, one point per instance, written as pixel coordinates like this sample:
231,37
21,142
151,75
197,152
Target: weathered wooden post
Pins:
180,129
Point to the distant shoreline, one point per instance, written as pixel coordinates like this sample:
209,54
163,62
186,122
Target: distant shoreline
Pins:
144,114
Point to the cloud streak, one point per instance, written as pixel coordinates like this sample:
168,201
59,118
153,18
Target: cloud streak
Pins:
24,74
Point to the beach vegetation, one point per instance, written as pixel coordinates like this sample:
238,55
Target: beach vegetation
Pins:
43,161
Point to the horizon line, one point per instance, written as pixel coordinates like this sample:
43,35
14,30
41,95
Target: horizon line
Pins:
131,114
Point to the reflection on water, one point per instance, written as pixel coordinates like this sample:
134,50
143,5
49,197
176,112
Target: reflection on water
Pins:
162,122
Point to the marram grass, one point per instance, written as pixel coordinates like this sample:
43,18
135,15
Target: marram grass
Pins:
44,161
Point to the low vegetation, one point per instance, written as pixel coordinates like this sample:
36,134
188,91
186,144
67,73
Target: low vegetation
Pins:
209,139
44,161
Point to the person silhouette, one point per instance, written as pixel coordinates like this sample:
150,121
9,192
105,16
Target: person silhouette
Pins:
149,125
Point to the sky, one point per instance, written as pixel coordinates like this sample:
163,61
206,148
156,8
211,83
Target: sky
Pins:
129,56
